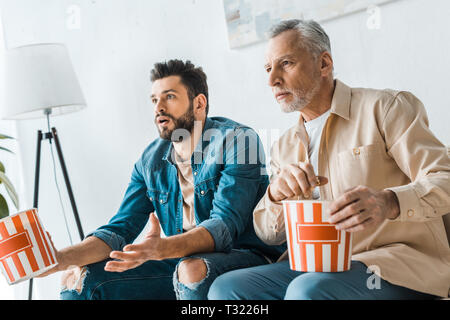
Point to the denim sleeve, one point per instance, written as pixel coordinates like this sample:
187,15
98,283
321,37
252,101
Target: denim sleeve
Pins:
241,179
132,216
115,241
223,241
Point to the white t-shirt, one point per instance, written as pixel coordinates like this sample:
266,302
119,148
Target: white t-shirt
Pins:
314,129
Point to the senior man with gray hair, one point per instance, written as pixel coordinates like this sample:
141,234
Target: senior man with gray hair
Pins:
369,151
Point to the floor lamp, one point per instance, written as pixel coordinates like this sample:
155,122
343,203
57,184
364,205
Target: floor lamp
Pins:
39,81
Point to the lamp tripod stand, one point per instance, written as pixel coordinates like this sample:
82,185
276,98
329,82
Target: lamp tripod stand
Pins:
53,135
45,73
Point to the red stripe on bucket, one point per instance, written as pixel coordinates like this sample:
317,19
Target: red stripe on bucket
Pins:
34,224
28,251
4,233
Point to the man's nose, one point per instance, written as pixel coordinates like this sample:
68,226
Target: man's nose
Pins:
274,78
159,108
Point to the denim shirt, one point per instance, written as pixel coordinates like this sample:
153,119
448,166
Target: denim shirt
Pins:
228,166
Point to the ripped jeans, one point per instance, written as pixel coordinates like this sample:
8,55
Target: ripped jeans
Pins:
154,280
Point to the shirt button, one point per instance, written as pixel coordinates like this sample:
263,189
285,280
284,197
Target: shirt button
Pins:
195,173
356,151
161,201
151,198
202,192
410,212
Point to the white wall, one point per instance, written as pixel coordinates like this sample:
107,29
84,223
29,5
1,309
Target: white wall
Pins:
118,42
12,163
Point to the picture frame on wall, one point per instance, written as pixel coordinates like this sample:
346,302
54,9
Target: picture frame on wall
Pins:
248,21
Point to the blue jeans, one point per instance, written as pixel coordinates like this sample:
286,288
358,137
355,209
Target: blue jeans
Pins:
277,281
155,280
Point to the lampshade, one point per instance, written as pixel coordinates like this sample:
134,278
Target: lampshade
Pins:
36,78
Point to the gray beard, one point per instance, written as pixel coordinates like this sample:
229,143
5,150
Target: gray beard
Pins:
301,99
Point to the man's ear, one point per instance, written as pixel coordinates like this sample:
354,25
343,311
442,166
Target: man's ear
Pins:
200,103
326,63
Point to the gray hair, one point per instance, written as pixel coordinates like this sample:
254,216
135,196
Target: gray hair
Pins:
314,38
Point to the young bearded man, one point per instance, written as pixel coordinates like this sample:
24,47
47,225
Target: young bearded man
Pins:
387,174
200,182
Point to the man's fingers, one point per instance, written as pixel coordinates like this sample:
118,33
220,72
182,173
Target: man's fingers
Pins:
51,241
361,226
154,228
135,247
282,190
302,180
293,184
129,255
321,180
342,201
121,266
351,209
310,174
352,220
296,180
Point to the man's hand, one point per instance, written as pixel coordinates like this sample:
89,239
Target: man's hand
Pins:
362,207
133,255
59,259
90,250
295,180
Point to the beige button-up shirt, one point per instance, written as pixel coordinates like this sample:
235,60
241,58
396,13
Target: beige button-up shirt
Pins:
380,139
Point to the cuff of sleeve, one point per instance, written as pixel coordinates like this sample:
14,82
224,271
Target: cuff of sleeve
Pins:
115,241
275,208
268,221
410,208
220,233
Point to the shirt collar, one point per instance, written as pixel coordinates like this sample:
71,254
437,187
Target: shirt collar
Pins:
340,105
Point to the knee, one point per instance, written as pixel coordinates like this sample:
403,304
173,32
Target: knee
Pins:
224,287
309,286
191,270
72,283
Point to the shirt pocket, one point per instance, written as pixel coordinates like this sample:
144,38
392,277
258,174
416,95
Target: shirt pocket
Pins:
159,200
362,152
207,187
360,166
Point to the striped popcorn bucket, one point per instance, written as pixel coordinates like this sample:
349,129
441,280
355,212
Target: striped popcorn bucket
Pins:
25,250
314,245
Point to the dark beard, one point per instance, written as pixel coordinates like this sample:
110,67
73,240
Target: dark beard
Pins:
183,125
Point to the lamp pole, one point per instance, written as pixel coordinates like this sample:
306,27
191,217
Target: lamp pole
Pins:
53,135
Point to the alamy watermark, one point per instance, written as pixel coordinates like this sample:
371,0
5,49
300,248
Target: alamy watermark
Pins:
374,280
241,145
374,20
73,19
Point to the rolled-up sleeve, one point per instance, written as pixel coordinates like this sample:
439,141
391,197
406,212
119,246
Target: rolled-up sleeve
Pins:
220,233
238,188
115,241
